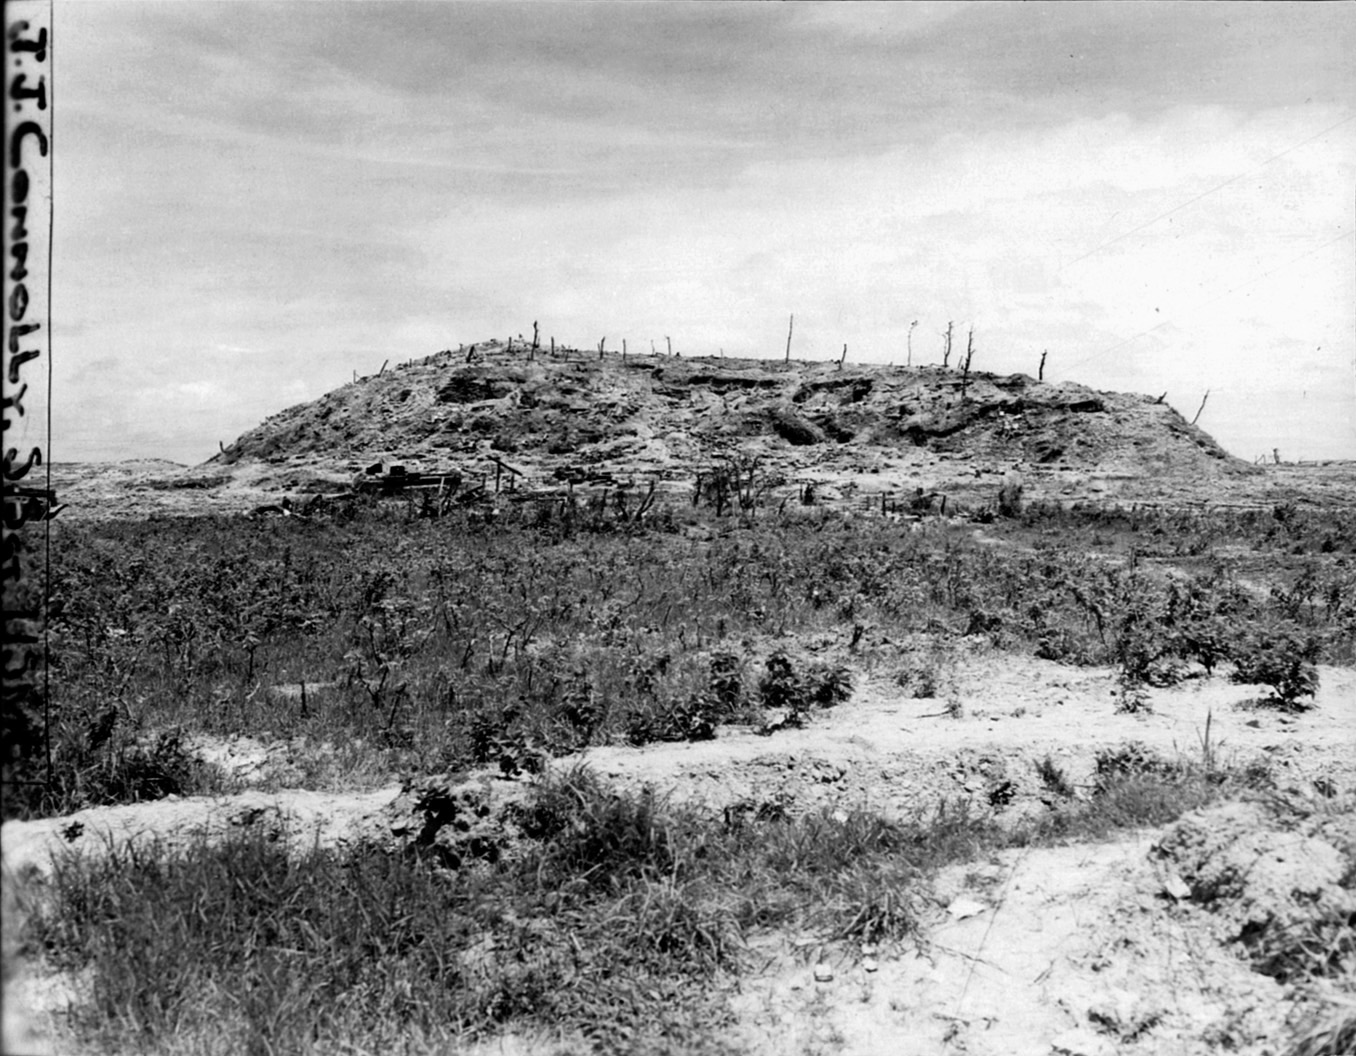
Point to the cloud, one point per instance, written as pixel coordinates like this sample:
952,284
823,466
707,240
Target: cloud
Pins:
1155,192
1040,241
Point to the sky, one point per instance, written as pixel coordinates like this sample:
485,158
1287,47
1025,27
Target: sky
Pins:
254,201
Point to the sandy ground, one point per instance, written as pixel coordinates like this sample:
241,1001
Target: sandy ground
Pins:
1049,951
1073,950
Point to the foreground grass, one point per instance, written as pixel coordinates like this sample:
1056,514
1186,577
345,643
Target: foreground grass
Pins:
617,921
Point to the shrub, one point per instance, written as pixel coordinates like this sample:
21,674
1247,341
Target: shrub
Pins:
694,718
1054,779
1282,658
727,680
829,684
797,693
1133,695
781,687
1127,760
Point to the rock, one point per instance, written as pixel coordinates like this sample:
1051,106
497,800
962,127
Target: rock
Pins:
1120,1014
1175,887
963,907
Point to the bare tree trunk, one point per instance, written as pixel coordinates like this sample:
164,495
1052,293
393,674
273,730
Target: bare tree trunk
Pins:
909,362
1040,374
843,358
1201,407
965,367
946,352
790,328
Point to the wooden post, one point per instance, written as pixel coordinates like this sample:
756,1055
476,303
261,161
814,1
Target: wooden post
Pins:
1040,374
670,341
600,346
789,329
553,345
1201,407
842,358
946,352
909,362
536,344
383,367
623,348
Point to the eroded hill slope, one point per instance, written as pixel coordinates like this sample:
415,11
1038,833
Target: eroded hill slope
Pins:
854,432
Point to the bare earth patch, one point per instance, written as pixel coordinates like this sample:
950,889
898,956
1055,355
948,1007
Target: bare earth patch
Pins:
1074,950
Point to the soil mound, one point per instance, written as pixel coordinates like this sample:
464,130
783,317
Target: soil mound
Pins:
1285,894
846,431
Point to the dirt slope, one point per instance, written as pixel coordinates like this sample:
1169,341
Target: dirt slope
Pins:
854,431
657,410
857,435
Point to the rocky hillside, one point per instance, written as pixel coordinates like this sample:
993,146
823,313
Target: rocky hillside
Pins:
858,430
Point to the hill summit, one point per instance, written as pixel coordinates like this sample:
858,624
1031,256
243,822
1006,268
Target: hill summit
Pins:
848,429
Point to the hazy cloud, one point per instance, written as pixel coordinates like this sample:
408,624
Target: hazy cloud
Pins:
254,200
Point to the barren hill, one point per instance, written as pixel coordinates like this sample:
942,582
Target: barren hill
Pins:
856,432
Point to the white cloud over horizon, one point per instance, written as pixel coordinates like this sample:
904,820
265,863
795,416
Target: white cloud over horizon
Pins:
281,200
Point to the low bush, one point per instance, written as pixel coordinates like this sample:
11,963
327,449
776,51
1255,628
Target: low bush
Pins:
1283,658
799,692
1054,778
1127,761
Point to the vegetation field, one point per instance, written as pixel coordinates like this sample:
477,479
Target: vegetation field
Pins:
390,647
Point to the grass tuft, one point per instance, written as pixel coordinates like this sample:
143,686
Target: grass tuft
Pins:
1328,1028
